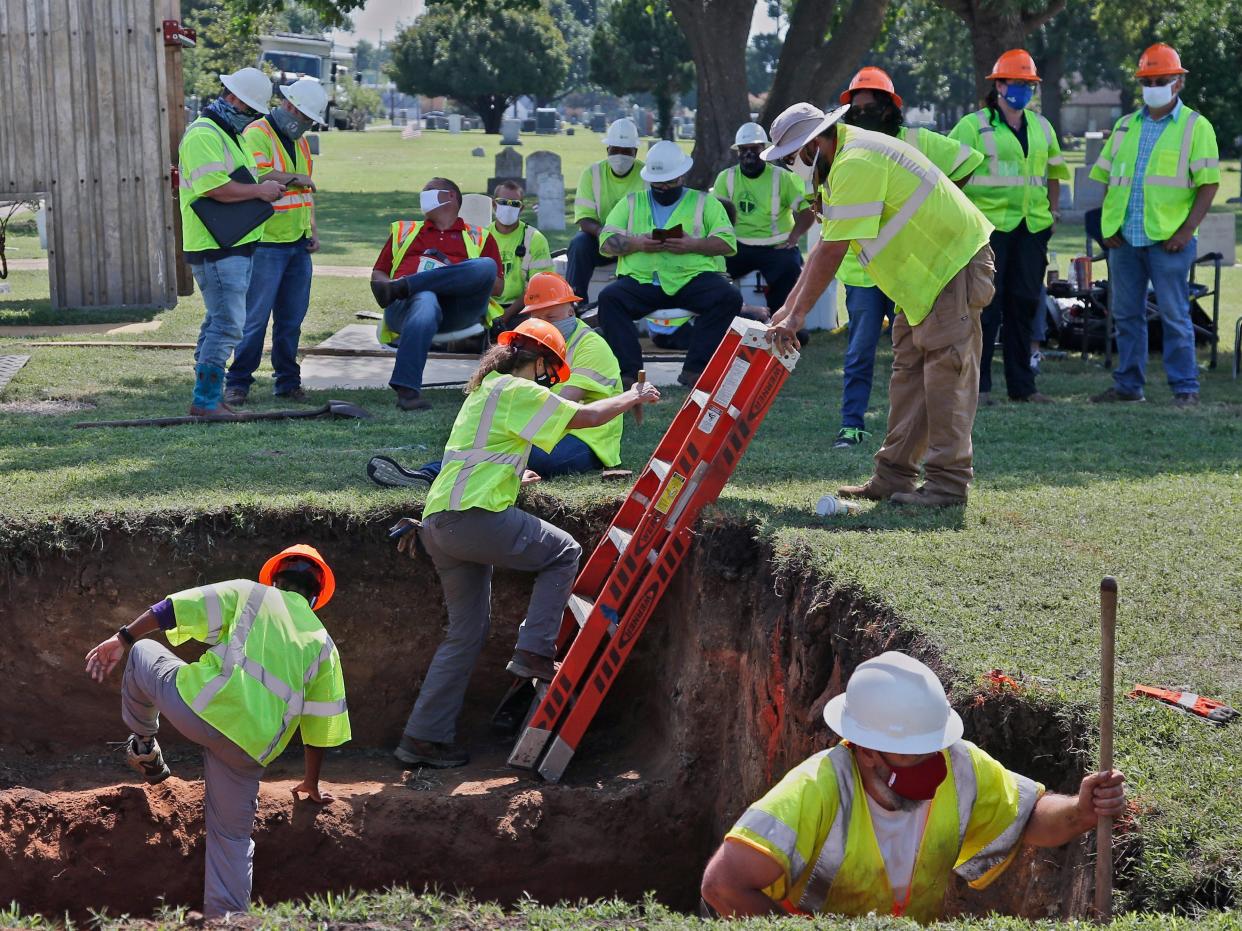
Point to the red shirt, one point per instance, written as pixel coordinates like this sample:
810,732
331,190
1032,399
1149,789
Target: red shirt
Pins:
448,241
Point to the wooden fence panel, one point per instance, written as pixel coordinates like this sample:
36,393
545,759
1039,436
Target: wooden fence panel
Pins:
84,124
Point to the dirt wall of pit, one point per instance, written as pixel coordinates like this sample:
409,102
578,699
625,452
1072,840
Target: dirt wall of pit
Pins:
723,694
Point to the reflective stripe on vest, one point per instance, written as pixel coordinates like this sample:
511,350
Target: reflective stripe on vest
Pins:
632,198
292,200
404,232
1184,164
470,458
994,178
832,854
232,656
227,166
928,177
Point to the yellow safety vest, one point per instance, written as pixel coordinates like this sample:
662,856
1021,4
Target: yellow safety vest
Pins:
594,369
955,159
404,232
206,157
1185,157
912,229
816,825
765,205
536,257
487,449
271,667
699,214
1011,187
292,220
599,190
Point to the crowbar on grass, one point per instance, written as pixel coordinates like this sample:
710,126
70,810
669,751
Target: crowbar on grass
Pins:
332,409
1104,827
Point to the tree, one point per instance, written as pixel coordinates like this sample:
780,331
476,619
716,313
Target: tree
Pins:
998,25
482,59
637,48
576,19
1070,48
762,56
332,14
926,51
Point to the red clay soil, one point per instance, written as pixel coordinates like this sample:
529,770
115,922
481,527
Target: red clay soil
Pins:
723,694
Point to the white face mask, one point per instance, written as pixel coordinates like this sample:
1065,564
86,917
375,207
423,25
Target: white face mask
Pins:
430,200
1157,97
802,169
508,215
621,164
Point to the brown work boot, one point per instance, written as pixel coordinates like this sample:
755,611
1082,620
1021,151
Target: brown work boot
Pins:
221,411
872,489
429,753
928,498
408,399
687,378
528,665
1035,397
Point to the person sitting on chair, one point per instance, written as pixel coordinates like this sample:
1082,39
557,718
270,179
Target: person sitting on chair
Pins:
433,275
671,242
523,250
594,375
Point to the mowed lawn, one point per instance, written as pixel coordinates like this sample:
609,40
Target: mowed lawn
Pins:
1064,495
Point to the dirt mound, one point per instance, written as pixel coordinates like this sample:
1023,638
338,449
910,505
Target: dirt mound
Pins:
723,694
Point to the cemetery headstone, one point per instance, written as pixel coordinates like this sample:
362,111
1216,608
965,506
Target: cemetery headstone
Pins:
551,210
454,122
599,123
1088,194
1095,143
509,130
478,152
541,165
508,168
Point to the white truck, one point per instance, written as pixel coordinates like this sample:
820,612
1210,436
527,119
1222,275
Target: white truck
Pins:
289,57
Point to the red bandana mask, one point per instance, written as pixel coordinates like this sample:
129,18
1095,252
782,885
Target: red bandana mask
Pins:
920,781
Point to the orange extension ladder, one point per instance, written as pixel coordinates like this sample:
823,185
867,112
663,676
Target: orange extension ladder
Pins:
626,575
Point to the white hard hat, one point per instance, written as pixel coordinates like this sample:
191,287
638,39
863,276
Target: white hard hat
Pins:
750,134
251,86
622,133
797,126
308,95
666,162
894,704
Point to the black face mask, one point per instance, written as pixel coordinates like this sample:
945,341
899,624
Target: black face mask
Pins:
875,117
666,197
548,378
751,164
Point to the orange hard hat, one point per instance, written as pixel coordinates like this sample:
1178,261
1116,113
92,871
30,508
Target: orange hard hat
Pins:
547,341
327,584
871,78
1015,65
1159,61
547,289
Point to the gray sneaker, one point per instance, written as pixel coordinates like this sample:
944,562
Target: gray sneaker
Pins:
235,397
1186,399
430,753
528,665
150,765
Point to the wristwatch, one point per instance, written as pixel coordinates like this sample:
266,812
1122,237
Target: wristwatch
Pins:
126,637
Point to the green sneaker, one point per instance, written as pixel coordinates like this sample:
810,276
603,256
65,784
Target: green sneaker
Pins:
850,436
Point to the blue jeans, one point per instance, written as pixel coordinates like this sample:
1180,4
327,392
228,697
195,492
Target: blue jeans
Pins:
867,309
280,289
443,299
1130,269
582,259
568,457
224,284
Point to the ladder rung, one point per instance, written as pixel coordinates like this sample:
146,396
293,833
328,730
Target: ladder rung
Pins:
699,397
581,607
620,538
660,467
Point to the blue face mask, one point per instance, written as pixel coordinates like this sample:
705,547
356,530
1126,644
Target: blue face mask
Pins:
1019,95
237,119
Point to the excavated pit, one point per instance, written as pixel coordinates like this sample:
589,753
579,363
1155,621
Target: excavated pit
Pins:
722,695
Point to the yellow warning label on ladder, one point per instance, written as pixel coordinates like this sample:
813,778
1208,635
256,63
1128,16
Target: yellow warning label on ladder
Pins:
671,491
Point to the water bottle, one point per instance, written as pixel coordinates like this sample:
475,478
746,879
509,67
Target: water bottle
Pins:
830,505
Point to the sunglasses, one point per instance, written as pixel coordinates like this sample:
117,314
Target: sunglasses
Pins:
1157,82
507,202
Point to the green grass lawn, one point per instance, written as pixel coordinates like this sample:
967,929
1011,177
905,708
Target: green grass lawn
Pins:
1064,495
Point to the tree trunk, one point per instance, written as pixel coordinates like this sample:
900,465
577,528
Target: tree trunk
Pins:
717,31
664,113
1052,70
996,27
491,110
835,59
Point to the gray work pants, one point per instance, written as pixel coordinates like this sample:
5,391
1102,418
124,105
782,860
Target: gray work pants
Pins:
465,545
231,776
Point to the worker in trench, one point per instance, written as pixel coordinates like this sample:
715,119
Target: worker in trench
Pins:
878,823
471,524
271,670
926,247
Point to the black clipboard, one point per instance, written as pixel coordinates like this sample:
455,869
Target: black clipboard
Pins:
230,223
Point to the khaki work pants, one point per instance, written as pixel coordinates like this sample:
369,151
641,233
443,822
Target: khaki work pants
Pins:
934,390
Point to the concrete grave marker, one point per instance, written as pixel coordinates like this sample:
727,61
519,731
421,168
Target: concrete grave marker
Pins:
541,165
551,211
508,168
1088,194
509,131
